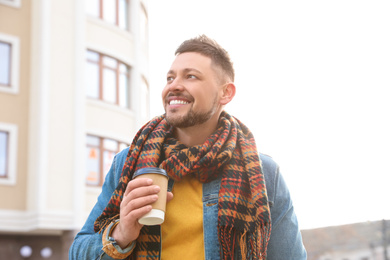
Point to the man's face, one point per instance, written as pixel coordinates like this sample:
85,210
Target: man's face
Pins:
191,94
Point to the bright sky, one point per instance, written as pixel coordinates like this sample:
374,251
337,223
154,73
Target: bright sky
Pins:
313,84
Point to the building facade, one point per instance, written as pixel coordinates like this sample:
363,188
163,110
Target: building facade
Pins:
357,241
73,92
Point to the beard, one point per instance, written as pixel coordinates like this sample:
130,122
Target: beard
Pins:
192,118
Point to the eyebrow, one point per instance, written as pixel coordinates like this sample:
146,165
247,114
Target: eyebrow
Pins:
186,70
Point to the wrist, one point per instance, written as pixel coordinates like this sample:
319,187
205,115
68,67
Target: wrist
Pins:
111,247
116,234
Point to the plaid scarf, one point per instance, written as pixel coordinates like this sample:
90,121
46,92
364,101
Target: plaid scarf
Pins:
244,223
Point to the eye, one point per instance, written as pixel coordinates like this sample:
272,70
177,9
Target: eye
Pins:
190,76
170,78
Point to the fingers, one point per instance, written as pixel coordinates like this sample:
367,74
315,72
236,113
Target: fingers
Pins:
169,196
139,193
130,217
137,183
135,205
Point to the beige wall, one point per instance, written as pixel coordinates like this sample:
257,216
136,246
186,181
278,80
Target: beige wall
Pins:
110,121
14,108
108,39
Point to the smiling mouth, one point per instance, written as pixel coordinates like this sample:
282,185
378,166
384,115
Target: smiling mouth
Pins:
178,102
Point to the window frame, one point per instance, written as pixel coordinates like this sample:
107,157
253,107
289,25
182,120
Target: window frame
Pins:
101,68
13,3
102,149
13,87
102,17
12,130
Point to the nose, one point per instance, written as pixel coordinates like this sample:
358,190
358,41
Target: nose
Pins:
176,85
173,86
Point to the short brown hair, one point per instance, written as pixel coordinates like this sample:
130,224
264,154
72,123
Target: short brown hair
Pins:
209,48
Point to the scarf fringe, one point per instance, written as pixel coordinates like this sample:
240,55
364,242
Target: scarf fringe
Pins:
244,244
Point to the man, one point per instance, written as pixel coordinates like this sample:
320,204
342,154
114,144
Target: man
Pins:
226,201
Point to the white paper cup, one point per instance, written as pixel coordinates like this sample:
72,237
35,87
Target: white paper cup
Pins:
154,217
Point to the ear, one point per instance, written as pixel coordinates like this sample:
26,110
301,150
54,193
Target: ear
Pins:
228,93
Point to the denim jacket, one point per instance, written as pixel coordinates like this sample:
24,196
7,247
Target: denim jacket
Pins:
285,242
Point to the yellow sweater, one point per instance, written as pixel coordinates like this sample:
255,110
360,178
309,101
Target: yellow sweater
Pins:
182,230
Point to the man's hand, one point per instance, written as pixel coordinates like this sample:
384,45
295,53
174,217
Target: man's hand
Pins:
140,193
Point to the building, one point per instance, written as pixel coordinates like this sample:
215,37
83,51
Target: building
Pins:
73,91
359,241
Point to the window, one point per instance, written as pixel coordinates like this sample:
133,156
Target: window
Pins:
100,152
112,11
9,63
8,146
4,137
5,63
107,79
13,3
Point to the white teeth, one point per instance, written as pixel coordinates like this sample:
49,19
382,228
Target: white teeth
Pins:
178,102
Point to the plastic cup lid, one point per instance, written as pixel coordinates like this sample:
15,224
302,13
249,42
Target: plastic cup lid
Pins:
150,170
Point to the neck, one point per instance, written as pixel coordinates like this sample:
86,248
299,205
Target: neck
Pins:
196,135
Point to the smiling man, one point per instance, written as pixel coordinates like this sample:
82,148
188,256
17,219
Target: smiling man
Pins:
227,201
